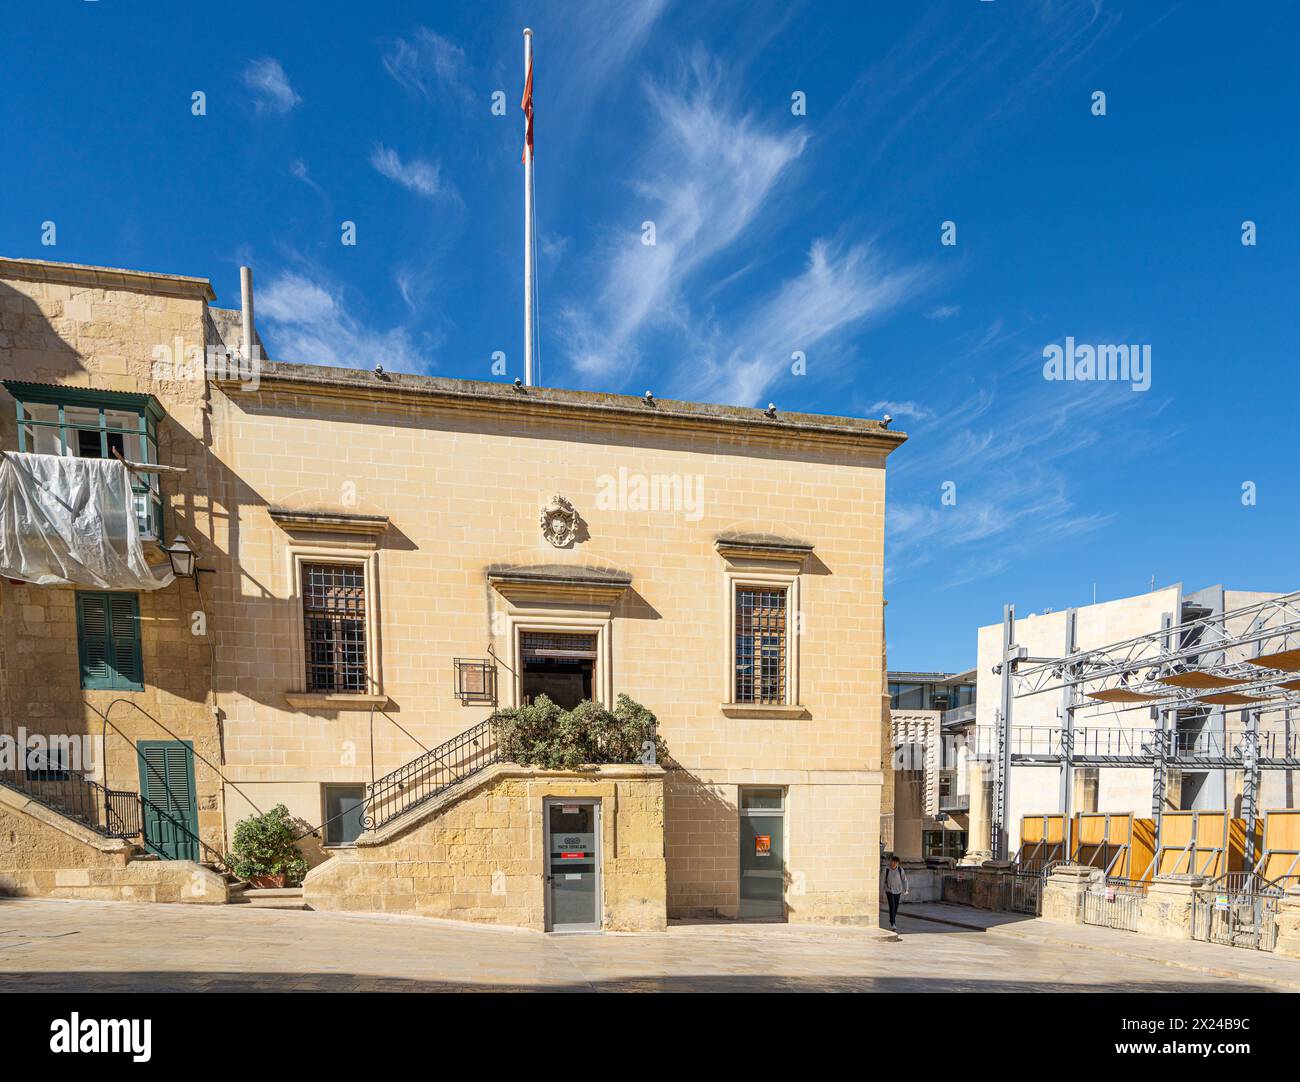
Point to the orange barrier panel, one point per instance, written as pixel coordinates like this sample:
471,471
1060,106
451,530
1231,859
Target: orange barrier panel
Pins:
1117,842
1280,847
1042,840
1207,843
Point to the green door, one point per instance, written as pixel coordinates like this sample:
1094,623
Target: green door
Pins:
171,822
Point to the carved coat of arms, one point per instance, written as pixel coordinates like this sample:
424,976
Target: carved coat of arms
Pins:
560,522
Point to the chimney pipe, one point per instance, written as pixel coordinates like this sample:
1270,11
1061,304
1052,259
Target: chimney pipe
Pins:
246,306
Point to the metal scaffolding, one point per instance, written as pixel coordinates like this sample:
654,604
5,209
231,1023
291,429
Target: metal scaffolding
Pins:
1244,661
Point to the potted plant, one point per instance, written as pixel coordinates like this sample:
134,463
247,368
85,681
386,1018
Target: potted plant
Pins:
264,852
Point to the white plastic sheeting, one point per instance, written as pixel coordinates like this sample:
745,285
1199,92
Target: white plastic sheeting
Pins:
68,521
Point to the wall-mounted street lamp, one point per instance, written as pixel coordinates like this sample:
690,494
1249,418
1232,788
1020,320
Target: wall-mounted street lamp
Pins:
184,560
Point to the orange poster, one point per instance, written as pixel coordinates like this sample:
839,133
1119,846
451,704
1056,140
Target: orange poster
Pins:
762,845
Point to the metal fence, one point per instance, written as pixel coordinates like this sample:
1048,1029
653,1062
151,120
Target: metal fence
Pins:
1237,910
1114,905
114,813
1026,892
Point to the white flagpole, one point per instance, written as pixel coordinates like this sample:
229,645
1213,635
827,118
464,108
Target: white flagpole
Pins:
528,231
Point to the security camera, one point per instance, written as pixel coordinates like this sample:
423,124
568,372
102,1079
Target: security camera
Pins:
771,409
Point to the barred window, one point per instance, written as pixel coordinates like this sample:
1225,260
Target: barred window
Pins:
334,618
760,645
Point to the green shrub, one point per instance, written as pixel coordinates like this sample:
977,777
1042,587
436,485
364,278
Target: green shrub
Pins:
263,845
542,734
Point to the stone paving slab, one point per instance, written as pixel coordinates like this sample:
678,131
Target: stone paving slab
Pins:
48,945
1211,959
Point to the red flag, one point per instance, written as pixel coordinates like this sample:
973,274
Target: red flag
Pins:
527,106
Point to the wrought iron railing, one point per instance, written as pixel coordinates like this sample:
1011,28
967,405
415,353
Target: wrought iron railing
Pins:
114,813
430,775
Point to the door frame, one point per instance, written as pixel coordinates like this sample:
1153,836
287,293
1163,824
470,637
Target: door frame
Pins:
597,823
191,826
744,813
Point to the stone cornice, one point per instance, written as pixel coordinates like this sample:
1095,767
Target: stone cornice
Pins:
583,407
763,546
171,285
551,583
328,521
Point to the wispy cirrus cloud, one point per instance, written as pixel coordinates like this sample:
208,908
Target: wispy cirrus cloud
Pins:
839,288
418,175
308,321
427,64
270,86
708,172
712,177
299,171
1016,449
904,410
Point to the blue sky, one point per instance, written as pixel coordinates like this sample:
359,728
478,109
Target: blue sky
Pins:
774,233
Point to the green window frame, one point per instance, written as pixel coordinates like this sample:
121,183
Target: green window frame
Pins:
84,423
108,641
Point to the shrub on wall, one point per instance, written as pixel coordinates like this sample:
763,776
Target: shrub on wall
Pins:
264,846
543,734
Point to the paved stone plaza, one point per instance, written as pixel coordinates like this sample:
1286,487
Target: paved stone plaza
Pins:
104,946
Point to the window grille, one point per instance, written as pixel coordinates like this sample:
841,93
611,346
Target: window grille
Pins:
334,618
557,644
760,645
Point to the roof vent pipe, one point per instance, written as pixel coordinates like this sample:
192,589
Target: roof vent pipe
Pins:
246,307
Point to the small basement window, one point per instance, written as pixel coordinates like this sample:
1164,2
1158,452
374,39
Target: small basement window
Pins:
345,805
87,423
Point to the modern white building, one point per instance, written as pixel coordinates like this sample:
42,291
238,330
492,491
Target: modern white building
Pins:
1103,728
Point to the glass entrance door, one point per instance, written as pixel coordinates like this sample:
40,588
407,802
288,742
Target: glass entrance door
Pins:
572,865
762,854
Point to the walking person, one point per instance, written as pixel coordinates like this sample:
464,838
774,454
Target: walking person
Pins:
895,888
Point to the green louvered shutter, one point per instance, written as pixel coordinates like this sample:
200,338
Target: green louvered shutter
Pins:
108,641
92,640
124,622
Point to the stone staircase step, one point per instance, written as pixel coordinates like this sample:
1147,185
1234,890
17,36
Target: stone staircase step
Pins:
269,898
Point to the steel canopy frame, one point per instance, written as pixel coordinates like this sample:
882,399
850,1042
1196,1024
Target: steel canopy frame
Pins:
1207,646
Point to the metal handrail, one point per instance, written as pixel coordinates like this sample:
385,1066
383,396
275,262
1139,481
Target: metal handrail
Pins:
112,813
428,776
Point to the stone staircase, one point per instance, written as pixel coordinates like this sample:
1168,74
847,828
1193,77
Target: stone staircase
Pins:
268,897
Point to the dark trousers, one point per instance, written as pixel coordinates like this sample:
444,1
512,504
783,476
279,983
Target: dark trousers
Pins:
893,907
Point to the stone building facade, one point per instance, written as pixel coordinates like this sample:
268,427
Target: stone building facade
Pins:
718,565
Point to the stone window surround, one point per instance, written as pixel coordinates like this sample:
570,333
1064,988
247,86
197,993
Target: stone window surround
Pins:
789,582
353,555
768,561
571,621
562,599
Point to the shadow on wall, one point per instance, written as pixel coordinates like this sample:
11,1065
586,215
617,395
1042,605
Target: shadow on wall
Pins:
701,847
31,349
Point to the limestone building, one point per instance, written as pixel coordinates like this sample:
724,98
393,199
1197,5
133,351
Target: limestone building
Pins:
386,559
